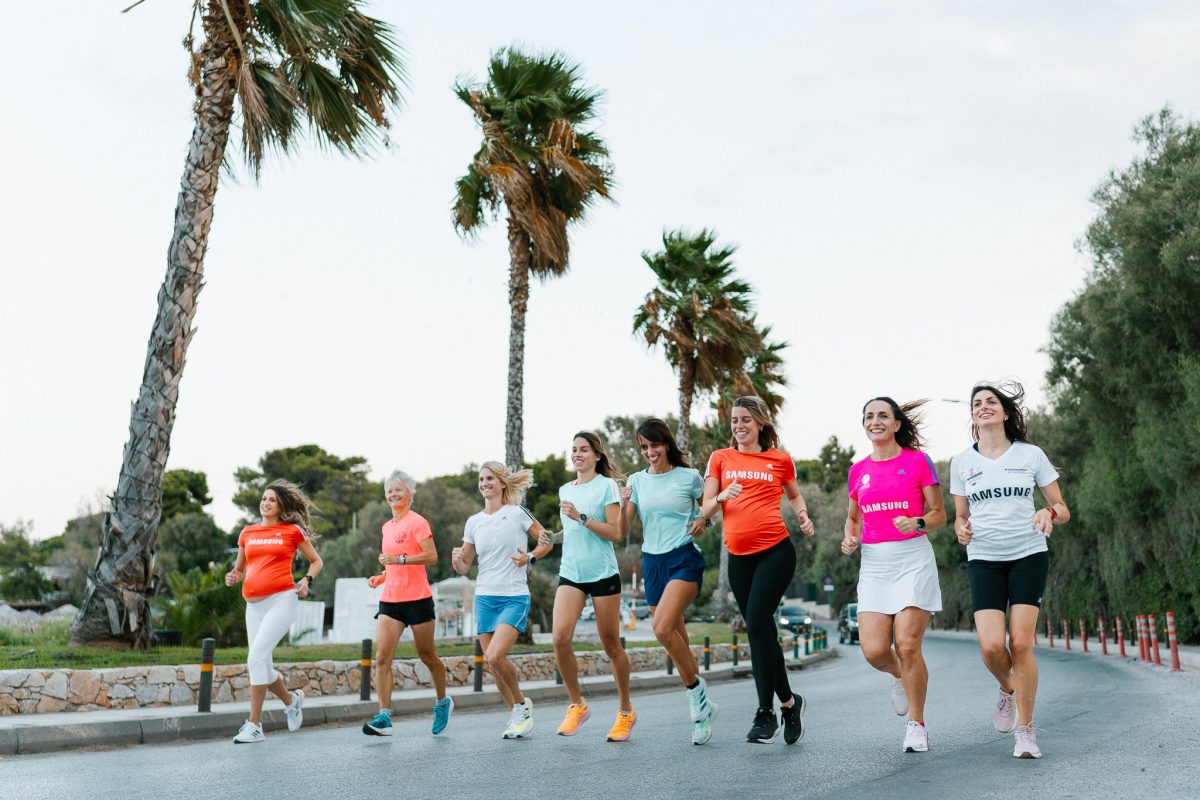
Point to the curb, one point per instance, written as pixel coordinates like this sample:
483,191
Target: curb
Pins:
22,739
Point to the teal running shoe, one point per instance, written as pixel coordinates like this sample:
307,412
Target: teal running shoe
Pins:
380,725
441,714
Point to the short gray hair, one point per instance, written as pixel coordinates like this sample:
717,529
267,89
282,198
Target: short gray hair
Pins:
400,476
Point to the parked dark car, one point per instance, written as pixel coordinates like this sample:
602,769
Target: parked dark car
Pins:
848,624
794,619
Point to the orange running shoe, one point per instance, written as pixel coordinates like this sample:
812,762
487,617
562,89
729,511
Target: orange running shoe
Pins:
576,716
622,729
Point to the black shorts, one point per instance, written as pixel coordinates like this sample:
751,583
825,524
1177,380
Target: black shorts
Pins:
998,584
411,612
605,587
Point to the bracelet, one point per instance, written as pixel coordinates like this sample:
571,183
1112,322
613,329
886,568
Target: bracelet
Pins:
403,561
1053,513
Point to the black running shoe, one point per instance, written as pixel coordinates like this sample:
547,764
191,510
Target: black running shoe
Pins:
765,728
793,721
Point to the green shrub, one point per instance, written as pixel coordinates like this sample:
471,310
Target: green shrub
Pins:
199,604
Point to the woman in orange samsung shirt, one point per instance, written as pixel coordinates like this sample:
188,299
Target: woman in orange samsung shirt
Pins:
746,482
264,561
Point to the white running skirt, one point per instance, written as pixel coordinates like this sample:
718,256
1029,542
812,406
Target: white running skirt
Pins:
896,575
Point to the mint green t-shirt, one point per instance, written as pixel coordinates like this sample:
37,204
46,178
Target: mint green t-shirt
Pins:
587,557
666,505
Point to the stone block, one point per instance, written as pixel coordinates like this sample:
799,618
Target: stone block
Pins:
50,705
181,694
160,675
34,680
146,695
84,687
119,692
56,686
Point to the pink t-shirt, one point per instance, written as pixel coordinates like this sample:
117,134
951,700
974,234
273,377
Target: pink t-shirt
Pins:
404,584
892,488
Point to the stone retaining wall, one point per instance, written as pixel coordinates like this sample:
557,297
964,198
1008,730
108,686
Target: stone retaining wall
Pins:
50,690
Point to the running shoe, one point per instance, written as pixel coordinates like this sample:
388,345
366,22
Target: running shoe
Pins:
622,728
380,725
1026,743
916,738
576,716
249,733
899,698
702,730
698,701
765,728
793,720
1004,716
295,711
441,714
521,723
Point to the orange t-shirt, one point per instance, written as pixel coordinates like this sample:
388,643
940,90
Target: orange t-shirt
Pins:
269,550
753,521
403,584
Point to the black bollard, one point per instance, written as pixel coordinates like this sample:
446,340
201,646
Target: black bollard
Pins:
207,649
735,650
364,682
707,654
478,666
670,666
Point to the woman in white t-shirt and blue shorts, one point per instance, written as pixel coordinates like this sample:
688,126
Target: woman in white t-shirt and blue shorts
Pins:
993,484
499,536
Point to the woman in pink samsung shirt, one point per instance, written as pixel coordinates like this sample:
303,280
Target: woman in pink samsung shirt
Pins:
894,500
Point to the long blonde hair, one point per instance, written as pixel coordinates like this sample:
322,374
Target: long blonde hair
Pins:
294,506
515,482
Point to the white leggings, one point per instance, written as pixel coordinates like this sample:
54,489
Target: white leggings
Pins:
267,621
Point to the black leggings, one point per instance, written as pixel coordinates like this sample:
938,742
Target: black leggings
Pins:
759,581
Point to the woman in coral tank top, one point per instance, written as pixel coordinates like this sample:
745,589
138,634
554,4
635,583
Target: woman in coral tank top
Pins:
264,563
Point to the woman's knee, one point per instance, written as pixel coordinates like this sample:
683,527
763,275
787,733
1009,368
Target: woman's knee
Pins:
496,661
992,649
908,647
563,641
1020,647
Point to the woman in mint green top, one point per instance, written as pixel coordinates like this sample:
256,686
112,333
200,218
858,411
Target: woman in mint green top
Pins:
664,496
590,508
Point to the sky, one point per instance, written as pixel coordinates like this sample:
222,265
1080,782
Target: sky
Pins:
907,184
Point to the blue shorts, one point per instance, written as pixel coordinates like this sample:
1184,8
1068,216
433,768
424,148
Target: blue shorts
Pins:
493,610
684,563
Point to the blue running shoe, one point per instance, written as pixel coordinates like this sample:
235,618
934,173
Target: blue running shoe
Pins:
441,714
380,725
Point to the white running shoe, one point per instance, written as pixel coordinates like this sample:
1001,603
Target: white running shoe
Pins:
249,733
698,702
295,711
916,738
899,698
1004,716
1026,743
520,724
702,730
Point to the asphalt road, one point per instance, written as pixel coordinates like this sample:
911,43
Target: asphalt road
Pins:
1107,729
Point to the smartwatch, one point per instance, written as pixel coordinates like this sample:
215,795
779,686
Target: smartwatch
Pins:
920,523
308,578
583,520
532,559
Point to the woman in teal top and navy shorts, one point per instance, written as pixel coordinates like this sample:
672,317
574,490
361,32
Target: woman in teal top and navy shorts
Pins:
664,496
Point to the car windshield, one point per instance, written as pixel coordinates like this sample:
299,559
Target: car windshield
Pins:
853,612
791,611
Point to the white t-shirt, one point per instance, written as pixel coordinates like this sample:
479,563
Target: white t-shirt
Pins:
1000,494
497,538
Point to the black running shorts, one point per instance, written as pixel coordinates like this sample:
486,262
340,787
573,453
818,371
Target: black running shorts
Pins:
605,587
999,584
411,612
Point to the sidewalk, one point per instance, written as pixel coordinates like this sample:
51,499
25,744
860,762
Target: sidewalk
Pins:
44,733
1189,655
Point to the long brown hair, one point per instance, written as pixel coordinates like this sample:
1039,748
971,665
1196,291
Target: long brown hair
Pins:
294,506
655,431
909,435
768,436
604,465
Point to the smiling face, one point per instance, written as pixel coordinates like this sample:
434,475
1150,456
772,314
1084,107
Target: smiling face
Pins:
654,453
745,427
489,485
986,410
583,457
397,494
879,421
269,507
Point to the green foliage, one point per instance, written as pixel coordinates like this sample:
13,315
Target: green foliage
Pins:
339,486
20,558
833,465
356,554
542,498
190,541
199,605
75,552
1125,376
184,491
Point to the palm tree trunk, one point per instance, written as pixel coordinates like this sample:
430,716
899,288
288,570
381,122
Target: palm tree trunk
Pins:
518,301
687,388
116,603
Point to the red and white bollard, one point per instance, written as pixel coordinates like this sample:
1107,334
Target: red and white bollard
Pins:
1067,633
1102,629
1120,638
1174,644
1049,632
1083,633
1154,640
1143,646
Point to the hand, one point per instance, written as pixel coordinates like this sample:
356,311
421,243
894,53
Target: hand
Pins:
849,545
806,524
234,576
962,527
626,494
386,559
302,587
905,524
697,527
519,558
1043,522
569,511
545,539
375,580
731,491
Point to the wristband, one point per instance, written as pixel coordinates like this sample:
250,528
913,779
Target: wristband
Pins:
403,561
1053,513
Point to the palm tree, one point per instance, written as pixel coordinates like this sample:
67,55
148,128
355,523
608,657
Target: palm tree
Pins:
541,163
761,375
275,65
701,315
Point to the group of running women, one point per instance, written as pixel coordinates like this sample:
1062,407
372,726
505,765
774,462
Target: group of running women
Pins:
894,501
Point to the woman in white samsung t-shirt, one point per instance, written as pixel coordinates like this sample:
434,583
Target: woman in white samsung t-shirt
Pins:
498,535
993,485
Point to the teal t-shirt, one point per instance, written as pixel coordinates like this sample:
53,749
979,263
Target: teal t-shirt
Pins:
587,557
666,505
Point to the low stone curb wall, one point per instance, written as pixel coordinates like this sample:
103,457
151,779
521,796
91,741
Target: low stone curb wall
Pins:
53,690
